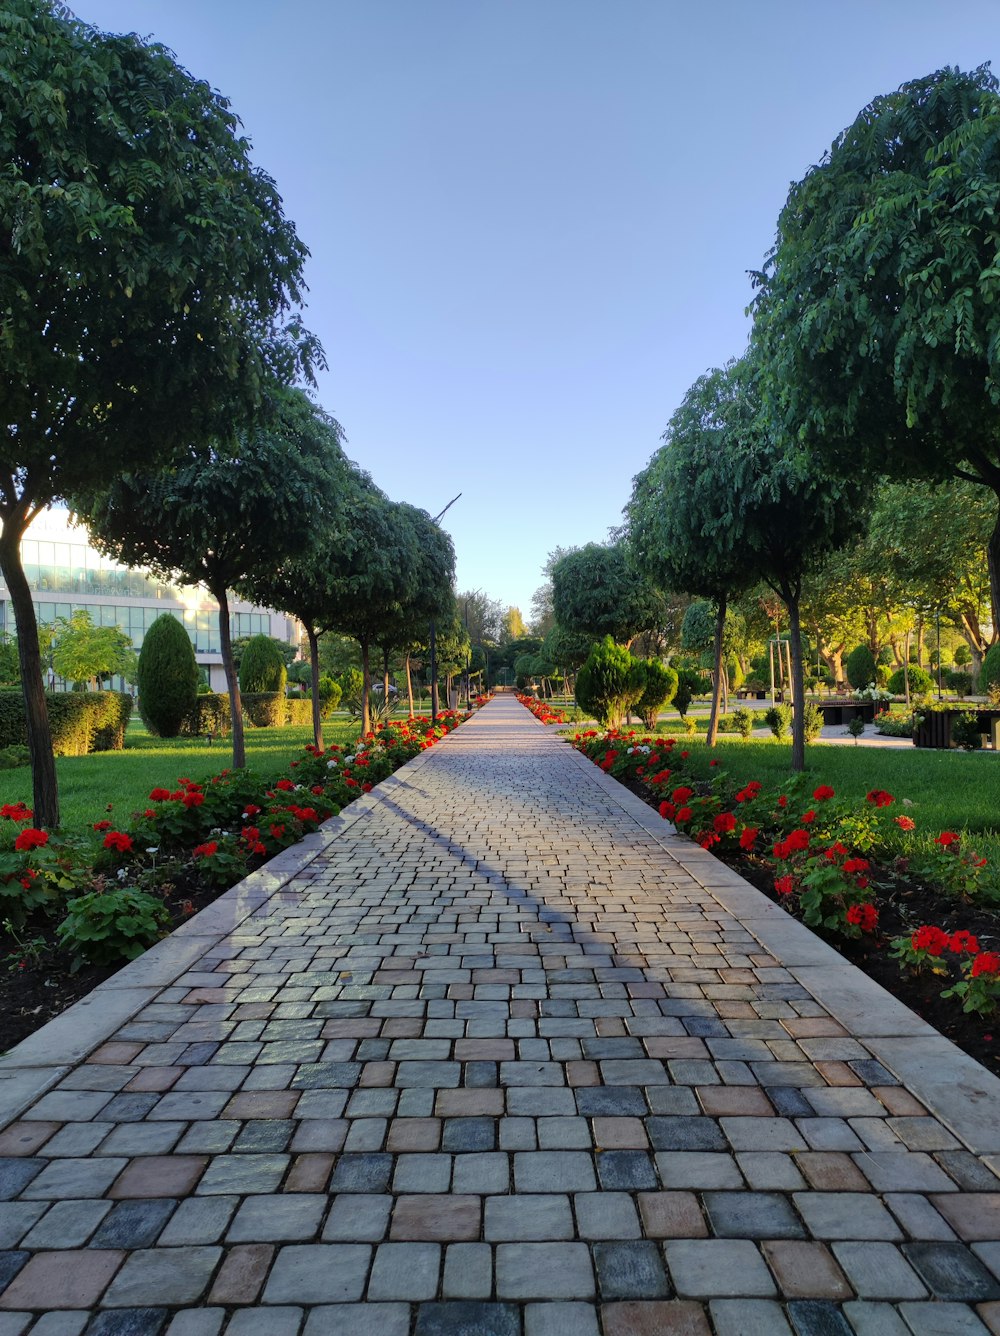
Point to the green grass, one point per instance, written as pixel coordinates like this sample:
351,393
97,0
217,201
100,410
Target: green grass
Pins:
950,790
89,784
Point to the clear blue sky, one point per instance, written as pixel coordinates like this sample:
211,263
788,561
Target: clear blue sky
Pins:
531,220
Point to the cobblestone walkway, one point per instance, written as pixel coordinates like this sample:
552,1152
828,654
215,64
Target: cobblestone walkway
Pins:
496,1056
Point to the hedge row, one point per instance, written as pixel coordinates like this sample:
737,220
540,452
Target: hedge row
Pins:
262,709
81,721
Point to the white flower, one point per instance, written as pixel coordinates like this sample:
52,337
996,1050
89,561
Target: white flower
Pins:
329,766
122,873
154,850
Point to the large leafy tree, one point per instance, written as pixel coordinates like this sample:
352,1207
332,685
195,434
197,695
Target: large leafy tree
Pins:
146,265
215,518
598,592
82,651
878,311
685,525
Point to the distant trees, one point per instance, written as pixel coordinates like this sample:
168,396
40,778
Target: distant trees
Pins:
147,266
83,652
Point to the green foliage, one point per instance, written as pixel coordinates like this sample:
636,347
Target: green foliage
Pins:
745,721
81,722
698,627
860,667
921,682
609,683
990,676
106,926
82,651
10,669
13,757
894,725
958,681
813,721
597,592
963,656
209,715
856,727
779,719
167,677
262,666
690,683
965,731
659,685
265,709
298,711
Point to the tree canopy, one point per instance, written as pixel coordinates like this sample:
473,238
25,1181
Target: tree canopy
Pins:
596,591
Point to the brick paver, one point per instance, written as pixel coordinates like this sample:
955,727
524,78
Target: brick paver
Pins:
504,1057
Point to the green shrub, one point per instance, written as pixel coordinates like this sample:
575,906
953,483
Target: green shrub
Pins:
609,682
958,681
779,719
813,721
81,722
330,693
744,720
894,725
860,667
120,923
735,673
990,676
965,731
298,710
351,684
921,682
209,714
11,758
690,682
167,677
659,686
962,656
262,667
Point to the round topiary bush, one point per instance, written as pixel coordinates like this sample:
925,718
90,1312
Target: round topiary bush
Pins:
860,667
262,669
659,686
963,655
167,677
921,682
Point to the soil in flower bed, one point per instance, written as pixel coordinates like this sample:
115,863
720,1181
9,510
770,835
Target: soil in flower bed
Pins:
38,984
904,904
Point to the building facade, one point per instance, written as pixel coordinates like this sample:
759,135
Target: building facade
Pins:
67,575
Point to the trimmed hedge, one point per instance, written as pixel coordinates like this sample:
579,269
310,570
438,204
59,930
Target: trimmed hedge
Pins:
81,721
261,709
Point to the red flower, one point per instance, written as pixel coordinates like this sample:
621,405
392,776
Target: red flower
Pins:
784,885
684,814
193,798
963,941
159,795
947,838
285,785
782,801
31,839
713,763
905,822
206,850
807,818
317,789
682,794
16,812
251,810
929,939
856,865
834,852
117,839
823,793
366,788
149,812
748,837
277,832
864,916
706,839
724,823
667,810
987,962
878,798
102,825
685,755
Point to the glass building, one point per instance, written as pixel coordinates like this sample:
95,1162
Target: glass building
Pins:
67,575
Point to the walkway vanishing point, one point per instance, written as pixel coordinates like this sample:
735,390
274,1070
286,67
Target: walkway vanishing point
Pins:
496,1054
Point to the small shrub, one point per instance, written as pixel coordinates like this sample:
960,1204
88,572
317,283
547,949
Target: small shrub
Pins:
856,727
921,682
965,731
958,682
689,683
744,720
609,682
209,715
659,688
298,710
81,722
860,667
894,725
813,721
11,758
262,667
962,656
264,709
102,927
779,719
167,677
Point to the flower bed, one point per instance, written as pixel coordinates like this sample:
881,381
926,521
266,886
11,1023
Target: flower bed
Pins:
863,875
74,906
542,711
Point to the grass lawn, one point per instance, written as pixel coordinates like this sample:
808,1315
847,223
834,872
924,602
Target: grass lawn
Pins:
88,784
950,790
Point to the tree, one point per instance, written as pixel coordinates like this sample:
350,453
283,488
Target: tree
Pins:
595,591
659,688
146,266
543,615
609,683
262,667
82,651
684,525
167,677
513,624
215,518
877,311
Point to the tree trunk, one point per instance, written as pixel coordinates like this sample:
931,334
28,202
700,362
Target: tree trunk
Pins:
366,686
993,561
45,791
790,597
232,680
409,685
385,676
713,718
314,679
